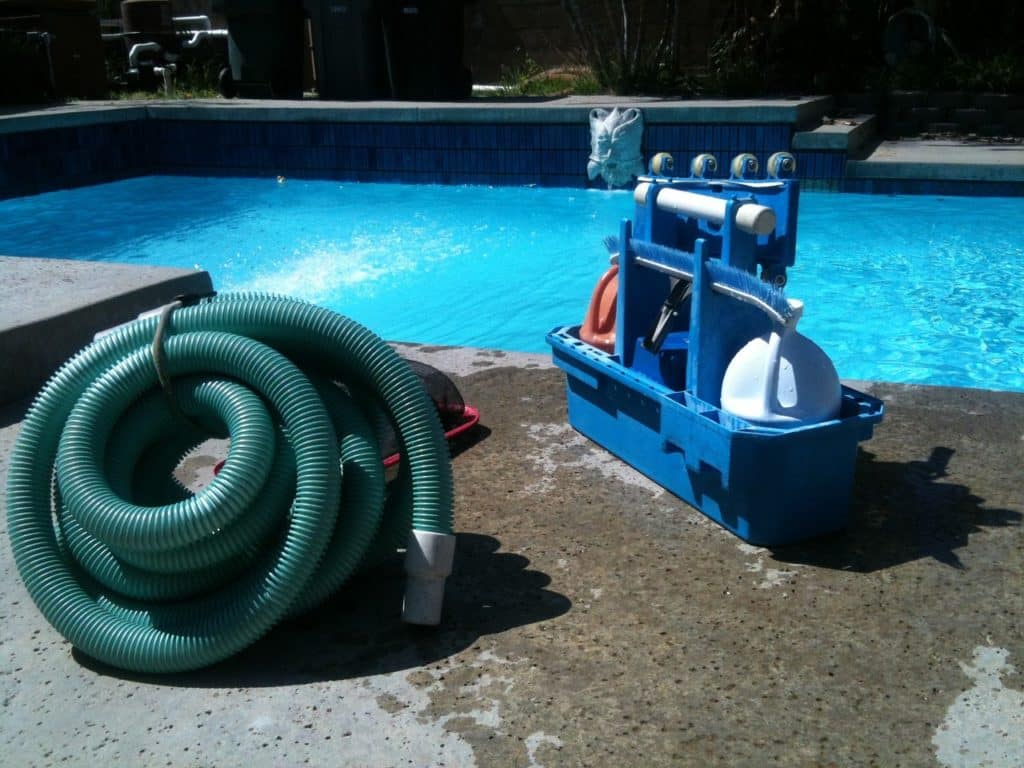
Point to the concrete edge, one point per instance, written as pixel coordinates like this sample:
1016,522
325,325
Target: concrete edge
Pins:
844,135
799,112
465,361
932,171
71,117
41,347
569,110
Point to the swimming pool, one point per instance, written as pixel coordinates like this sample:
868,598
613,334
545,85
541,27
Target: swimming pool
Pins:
907,289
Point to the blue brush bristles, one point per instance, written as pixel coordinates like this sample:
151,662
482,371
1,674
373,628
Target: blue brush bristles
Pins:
741,284
750,284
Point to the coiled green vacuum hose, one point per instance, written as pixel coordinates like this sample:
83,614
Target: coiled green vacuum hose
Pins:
143,576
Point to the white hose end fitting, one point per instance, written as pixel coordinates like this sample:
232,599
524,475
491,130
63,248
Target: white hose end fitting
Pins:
428,561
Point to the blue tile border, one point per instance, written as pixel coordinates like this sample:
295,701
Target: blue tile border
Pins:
546,154
58,158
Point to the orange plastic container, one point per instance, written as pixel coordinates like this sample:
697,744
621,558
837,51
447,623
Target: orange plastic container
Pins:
598,327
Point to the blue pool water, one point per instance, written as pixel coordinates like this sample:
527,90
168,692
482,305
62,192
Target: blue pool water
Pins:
907,289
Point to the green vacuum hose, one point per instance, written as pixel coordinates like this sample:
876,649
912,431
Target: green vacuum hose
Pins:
144,576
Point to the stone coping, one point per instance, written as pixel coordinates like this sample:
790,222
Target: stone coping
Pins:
51,308
843,134
941,160
570,109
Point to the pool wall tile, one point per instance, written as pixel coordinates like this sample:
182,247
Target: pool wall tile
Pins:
57,158
453,153
547,154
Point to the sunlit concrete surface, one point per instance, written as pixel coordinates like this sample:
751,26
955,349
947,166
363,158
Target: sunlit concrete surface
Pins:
594,619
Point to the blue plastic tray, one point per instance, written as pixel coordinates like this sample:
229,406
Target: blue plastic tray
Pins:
768,486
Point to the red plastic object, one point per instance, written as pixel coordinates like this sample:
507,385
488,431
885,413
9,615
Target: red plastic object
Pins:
598,327
470,417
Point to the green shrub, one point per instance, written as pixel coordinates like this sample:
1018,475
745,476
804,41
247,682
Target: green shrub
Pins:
1001,73
797,46
736,61
527,78
628,45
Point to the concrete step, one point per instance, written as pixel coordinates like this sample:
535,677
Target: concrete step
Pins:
847,133
942,160
38,332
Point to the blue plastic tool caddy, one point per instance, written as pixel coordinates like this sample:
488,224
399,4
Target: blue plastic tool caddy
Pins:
658,409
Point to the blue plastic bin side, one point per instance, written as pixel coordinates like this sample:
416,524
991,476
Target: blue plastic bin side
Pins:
768,487
791,487
627,427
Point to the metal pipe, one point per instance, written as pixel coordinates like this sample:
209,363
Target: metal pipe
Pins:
138,49
167,73
203,22
198,35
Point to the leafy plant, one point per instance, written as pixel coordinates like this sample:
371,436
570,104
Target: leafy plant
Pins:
527,78
794,46
514,77
628,45
197,79
736,60
1001,73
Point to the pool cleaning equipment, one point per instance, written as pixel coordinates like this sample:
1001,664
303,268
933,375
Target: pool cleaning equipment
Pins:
139,573
698,377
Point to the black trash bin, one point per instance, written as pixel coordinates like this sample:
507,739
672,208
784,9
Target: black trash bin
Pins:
66,33
348,43
425,43
266,39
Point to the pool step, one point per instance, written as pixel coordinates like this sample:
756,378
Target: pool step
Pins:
836,134
51,308
942,160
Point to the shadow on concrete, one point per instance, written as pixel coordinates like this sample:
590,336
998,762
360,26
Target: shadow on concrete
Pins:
359,632
465,441
14,411
900,512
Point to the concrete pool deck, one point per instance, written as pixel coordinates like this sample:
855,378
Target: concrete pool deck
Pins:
43,332
593,619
